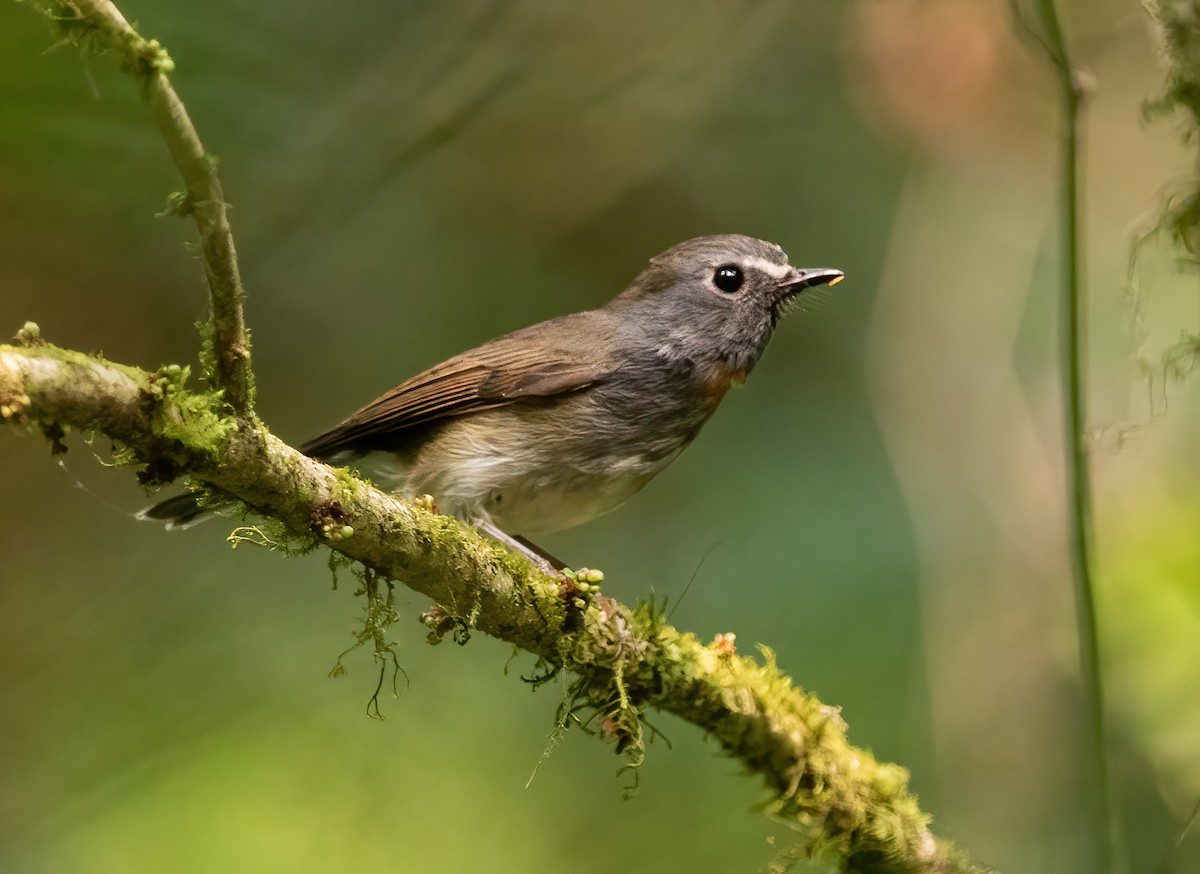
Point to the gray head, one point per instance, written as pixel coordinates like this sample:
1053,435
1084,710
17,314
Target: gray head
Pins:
717,299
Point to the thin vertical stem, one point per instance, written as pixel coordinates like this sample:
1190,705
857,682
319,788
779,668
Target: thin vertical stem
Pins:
1074,320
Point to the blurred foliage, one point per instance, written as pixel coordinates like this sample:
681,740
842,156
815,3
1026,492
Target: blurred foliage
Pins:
1177,24
412,178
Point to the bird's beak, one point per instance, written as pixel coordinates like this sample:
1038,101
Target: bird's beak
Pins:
809,277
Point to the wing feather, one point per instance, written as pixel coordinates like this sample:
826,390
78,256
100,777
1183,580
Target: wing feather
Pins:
558,357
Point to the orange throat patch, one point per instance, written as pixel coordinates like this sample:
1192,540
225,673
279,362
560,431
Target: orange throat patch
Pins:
716,379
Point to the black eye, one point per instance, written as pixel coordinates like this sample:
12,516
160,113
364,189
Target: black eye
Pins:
728,278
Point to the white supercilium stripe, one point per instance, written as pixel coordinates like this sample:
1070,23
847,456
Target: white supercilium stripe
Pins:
769,267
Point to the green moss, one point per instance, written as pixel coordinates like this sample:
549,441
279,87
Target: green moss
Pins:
197,420
76,30
255,536
193,422
13,406
266,532
208,355
606,654
379,615
178,204
137,56
144,57
29,335
251,382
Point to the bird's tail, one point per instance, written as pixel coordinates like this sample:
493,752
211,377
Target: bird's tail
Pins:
180,511
184,511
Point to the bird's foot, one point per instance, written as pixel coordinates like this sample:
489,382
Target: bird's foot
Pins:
541,559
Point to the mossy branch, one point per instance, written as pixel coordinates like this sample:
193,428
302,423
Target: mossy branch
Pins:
841,800
843,803
97,25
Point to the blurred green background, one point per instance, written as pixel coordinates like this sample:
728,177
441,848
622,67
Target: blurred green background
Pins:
883,500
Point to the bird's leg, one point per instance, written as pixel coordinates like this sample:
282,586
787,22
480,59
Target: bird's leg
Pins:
542,559
557,563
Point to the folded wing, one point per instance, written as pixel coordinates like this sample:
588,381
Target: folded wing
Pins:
562,356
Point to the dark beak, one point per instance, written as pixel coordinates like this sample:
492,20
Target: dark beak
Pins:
809,277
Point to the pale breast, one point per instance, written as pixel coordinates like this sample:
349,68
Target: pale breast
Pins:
543,467
533,478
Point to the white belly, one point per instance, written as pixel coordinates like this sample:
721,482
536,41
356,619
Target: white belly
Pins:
476,470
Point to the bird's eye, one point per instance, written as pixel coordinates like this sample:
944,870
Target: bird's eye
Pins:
728,278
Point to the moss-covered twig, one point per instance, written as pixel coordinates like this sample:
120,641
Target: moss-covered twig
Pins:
98,25
843,802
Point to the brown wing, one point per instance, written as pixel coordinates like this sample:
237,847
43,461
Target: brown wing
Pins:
561,356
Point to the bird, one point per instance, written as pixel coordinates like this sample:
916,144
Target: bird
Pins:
552,425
